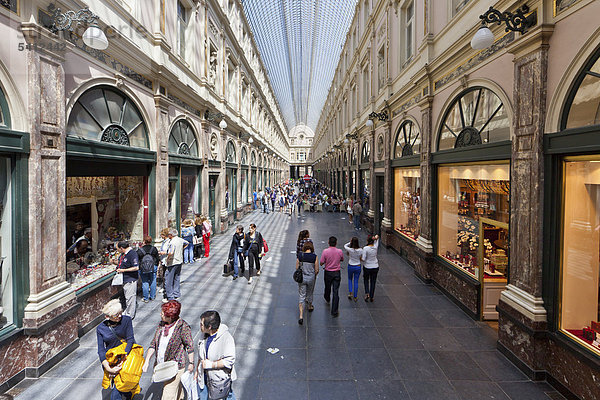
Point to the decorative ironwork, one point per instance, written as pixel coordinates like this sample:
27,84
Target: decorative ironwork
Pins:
210,116
382,116
184,149
115,134
407,138
70,20
517,21
469,136
407,150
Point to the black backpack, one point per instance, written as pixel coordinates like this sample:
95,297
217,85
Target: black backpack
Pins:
147,263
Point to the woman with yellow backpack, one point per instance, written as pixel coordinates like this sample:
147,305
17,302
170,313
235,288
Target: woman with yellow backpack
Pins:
121,358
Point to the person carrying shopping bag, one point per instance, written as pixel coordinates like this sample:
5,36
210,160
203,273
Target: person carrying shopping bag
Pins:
215,373
172,341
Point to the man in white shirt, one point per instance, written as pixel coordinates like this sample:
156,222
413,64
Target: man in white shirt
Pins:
173,272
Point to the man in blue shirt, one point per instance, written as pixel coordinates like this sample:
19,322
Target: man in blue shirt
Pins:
254,196
129,264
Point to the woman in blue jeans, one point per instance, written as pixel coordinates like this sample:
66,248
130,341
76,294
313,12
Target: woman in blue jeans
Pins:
354,254
187,234
148,278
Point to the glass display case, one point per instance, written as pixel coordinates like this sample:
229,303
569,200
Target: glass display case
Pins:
580,253
110,209
469,195
407,202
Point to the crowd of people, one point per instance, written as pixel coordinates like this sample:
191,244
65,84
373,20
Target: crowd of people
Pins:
331,259
171,354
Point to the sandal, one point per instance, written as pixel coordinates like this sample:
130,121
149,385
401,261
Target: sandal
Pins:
311,308
366,297
350,295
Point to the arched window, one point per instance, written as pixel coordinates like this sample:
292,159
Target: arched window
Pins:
345,158
244,156
107,115
230,152
408,140
353,159
4,112
475,117
365,154
583,104
253,159
183,140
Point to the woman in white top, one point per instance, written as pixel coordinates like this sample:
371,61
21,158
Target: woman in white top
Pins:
354,253
371,266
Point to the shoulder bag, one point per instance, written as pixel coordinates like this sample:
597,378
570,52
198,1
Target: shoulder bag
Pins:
218,390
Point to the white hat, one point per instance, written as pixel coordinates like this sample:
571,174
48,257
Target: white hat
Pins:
165,371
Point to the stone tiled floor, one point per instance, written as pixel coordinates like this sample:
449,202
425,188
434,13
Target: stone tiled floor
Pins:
411,343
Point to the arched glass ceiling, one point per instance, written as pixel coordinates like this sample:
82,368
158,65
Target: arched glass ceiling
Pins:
300,42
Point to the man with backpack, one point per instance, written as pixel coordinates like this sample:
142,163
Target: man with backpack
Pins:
149,259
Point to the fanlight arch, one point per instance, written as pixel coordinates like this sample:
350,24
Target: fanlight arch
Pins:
105,114
230,152
582,107
408,140
182,139
476,116
365,153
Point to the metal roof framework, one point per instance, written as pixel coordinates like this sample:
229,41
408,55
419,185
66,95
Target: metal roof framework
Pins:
300,42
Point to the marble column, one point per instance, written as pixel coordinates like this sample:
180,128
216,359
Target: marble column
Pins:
388,194
161,206
372,205
220,190
204,182
522,299
238,188
425,239
50,295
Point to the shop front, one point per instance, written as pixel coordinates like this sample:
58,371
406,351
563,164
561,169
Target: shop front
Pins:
14,149
184,174
406,193
108,189
472,204
244,179
572,238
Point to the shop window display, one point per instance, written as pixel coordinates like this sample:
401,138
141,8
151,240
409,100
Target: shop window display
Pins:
580,258
407,202
189,193
6,270
473,212
111,208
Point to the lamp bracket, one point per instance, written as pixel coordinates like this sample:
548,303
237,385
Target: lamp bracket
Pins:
517,21
70,19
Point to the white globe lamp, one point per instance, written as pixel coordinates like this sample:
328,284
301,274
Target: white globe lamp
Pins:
482,39
95,38
369,123
223,124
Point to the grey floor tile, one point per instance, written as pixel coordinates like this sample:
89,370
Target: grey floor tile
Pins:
437,303
527,390
478,390
430,390
388,317
416,365
382,389
287,364
373,364
400,338
245,388
282,389
249,362
329,364
420,318
287,337
458,366
423,290
497,367
453,318
74,364
43,388
332,390
362,337
325,337
475,339
437,339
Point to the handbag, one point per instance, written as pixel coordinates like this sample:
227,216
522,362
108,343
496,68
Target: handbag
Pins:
298,277
165,371
117,280
218,390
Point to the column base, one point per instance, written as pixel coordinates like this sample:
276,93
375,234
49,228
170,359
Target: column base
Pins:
386,223
371,213
424,244
41,304
530,306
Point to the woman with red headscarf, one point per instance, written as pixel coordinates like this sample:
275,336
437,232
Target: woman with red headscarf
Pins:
172,342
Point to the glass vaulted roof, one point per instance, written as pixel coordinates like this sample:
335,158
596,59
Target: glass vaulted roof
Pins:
300,42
